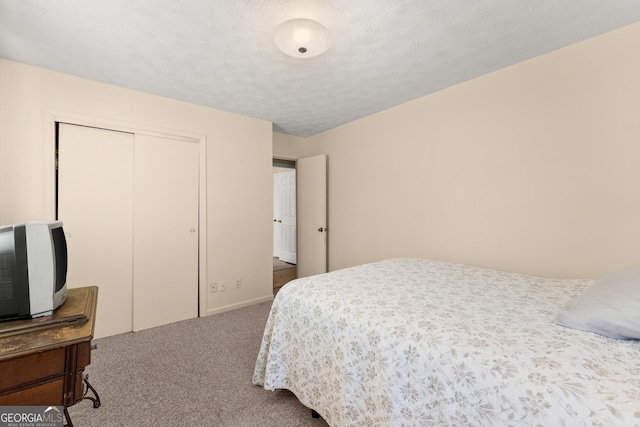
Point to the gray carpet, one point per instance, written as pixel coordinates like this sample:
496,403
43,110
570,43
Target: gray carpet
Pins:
192,373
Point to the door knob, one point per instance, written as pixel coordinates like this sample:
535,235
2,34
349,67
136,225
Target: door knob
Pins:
322,229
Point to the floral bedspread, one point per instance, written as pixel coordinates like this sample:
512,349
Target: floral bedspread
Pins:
407,342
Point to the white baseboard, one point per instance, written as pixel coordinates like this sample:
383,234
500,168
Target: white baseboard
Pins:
238,305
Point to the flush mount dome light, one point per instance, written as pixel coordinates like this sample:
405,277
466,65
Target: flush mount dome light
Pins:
302,38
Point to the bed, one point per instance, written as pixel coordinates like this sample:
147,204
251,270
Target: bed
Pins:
410,342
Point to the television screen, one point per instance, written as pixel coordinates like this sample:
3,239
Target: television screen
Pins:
60,254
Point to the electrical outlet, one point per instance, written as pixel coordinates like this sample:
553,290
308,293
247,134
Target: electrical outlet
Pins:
238,283
223,286
213,287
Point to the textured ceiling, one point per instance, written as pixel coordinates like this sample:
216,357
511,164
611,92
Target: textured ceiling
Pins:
221,53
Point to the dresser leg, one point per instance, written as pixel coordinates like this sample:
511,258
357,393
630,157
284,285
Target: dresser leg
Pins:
96,399
67,418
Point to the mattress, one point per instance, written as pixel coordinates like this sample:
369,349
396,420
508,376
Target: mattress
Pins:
406,342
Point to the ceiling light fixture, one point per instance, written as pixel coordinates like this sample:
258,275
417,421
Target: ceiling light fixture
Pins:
302,38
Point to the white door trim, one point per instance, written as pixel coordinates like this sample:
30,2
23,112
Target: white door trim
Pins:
51,116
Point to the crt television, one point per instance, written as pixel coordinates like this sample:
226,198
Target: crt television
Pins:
33,269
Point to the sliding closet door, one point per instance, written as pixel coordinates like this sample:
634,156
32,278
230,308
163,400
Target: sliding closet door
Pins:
165,231
95,203
129,204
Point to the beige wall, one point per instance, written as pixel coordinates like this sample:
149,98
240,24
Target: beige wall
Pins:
238,167
533,168
288,147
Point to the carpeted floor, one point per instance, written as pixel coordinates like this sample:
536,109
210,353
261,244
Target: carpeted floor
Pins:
192,373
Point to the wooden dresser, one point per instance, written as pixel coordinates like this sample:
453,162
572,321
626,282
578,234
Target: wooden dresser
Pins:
42,360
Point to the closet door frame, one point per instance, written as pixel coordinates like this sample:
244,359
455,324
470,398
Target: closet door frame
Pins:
53,116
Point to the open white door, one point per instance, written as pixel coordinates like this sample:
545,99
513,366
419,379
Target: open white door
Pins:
312,215
286,218
277,234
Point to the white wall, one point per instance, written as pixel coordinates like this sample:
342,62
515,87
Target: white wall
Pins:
533,168
238,166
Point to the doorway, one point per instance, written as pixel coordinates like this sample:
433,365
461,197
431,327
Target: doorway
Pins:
284,222
309,201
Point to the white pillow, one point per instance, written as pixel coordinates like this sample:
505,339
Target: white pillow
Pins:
610,306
